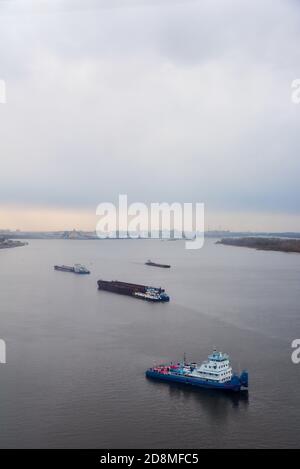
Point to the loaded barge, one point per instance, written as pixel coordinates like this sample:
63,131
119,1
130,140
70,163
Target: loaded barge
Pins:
154,264
77,269
141,292
215,373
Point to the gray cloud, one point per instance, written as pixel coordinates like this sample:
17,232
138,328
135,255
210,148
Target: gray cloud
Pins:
161,100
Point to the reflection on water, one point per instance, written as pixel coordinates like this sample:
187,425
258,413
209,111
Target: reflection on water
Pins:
214,402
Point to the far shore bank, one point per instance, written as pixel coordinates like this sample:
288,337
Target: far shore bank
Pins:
264,244
9,244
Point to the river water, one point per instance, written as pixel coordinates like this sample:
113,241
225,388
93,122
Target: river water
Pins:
76,356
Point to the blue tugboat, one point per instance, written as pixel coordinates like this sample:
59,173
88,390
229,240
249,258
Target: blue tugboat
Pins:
215,373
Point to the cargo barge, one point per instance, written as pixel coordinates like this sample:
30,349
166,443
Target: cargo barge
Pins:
141,292
154,264
215,373
77,269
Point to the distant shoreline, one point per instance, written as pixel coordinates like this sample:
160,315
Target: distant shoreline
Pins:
120,235
9,244
264,244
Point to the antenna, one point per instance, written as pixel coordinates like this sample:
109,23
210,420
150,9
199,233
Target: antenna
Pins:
184,358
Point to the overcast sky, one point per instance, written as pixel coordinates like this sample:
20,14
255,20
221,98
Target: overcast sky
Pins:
163,100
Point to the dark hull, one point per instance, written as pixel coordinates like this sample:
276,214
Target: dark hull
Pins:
153,264
116,289
64,268
234,385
